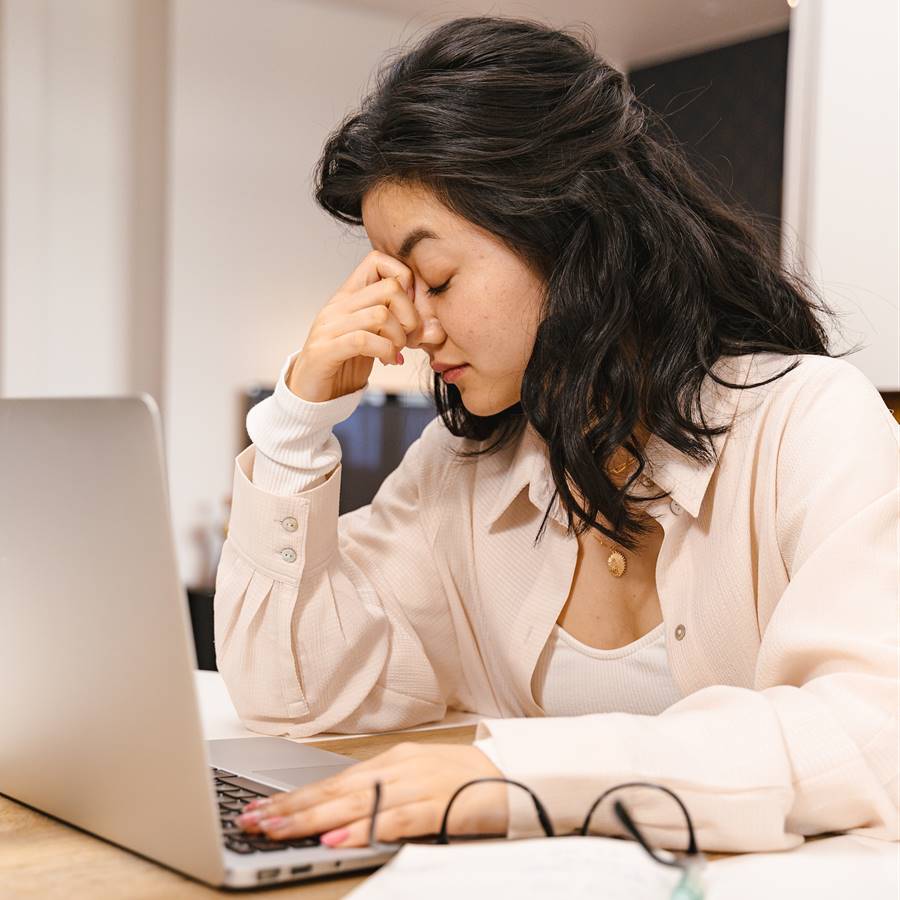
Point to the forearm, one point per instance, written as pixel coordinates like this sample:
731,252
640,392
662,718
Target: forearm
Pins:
312,628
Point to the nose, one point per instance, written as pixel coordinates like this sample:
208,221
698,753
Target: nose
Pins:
429,331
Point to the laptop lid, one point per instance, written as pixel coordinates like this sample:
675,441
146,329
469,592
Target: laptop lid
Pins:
100,725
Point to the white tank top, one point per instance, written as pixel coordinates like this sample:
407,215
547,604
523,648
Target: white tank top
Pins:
573,679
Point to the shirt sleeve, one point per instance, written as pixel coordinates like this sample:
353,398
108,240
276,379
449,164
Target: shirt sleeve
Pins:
813,747
295,446
334,623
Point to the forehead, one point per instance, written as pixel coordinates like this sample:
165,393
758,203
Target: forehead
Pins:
389,196
390,211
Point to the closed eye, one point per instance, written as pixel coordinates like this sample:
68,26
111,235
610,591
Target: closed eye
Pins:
440,289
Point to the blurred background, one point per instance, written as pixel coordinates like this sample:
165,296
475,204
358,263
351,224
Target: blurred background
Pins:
158,231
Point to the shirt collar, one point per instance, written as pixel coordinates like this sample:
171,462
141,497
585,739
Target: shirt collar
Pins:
684,478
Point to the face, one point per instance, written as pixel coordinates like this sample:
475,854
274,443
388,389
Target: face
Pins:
486,311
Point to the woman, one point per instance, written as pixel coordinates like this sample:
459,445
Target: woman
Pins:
698,587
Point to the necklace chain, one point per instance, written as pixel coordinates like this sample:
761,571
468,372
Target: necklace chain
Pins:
616,561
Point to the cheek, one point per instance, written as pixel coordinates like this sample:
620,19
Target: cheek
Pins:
462,328
491,322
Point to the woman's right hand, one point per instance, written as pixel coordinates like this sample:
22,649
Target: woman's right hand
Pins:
370,316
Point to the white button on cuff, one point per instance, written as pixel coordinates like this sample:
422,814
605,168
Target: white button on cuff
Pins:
289,524
289,555
675,507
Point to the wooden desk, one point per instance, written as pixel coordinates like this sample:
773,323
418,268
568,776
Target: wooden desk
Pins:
44,859
41,857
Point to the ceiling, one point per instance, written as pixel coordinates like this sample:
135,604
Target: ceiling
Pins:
628,33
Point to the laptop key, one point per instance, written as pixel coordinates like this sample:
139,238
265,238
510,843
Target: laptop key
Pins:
268,848
238,846
303,842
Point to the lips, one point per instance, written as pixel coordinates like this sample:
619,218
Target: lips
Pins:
443,367
453,374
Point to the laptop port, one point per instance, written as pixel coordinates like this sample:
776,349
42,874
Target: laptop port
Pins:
266,874
300,870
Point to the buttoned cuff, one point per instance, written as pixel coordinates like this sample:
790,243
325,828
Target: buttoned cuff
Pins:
283,534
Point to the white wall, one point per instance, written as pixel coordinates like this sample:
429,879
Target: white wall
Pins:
841,170
256,87
82,175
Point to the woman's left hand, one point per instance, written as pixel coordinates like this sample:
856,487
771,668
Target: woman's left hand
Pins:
417,782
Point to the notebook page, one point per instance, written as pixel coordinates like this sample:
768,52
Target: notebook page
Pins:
828,868
577,868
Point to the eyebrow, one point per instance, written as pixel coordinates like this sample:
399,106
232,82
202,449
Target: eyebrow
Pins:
413,238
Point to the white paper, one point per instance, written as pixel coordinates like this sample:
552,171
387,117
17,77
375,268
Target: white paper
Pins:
590,868
574,868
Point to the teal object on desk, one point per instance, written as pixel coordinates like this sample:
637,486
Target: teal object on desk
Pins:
690,887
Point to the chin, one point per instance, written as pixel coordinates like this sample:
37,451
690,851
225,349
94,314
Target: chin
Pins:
485,406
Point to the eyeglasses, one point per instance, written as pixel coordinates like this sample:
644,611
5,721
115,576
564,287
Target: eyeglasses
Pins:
691,861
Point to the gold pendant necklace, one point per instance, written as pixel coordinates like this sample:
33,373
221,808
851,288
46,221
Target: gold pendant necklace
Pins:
616,562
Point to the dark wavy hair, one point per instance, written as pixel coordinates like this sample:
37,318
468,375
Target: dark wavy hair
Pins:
649,276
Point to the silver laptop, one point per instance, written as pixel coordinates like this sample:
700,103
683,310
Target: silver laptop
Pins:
99,717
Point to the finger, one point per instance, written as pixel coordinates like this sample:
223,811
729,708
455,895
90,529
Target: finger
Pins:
386,767
375,266
350,780
339,812
359,343
377,319
409,820
391,293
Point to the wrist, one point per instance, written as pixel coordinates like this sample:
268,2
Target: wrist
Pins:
293,378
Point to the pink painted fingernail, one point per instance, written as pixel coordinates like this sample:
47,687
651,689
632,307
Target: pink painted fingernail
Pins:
399,359
273,824
333,838
257,804
249,818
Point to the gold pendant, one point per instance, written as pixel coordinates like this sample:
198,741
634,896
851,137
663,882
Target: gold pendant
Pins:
616,564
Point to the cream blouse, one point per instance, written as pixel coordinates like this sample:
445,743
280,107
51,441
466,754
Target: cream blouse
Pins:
778,582
571,678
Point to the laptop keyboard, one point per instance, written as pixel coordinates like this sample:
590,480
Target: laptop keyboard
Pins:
233,793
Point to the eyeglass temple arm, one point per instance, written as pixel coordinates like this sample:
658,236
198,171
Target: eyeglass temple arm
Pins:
376,806
628,822
543,818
